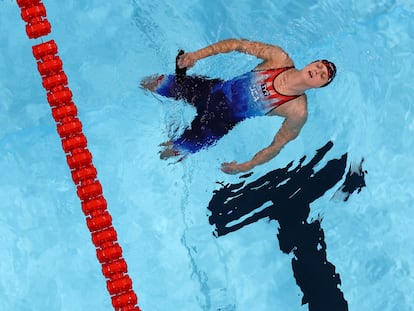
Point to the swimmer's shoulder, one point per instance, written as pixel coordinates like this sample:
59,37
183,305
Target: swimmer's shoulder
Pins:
279,58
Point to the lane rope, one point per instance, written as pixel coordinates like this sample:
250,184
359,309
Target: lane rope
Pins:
79,158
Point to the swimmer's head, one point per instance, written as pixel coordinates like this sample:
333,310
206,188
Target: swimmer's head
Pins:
319,73
331,70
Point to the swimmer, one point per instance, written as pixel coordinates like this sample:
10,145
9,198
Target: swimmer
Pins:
274,88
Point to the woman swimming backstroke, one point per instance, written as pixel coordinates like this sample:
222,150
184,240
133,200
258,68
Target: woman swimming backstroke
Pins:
274,88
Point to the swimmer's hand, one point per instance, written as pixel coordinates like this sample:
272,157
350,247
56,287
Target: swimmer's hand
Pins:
234,168
187,60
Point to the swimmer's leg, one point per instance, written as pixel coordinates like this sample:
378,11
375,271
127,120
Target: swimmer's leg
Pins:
168,150
205,130
151,83
193,139
194,90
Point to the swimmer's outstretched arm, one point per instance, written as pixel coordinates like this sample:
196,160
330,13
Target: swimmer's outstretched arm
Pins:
269,53
289,131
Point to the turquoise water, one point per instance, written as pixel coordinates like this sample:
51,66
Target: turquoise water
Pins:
159,209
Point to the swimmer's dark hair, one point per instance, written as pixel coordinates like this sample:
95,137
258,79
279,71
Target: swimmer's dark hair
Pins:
331,70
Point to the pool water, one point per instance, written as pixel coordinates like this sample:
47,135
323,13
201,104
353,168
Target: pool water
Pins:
159,208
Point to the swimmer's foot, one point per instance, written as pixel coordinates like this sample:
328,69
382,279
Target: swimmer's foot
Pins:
168,151
180,72
150,83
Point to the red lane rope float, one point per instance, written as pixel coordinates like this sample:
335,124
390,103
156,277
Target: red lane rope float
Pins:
79,158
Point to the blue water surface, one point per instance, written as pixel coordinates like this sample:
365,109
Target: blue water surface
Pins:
159,208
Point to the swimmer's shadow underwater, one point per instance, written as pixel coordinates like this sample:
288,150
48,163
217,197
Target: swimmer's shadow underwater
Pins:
290,191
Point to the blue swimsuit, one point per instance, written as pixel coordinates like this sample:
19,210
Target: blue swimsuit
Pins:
221,104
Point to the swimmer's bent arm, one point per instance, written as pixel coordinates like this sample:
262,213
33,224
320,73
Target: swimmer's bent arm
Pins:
261,50
289,131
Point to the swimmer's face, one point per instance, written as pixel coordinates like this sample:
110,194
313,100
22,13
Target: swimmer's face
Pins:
316,74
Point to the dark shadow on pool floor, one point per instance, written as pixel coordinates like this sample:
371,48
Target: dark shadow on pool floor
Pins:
285,195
